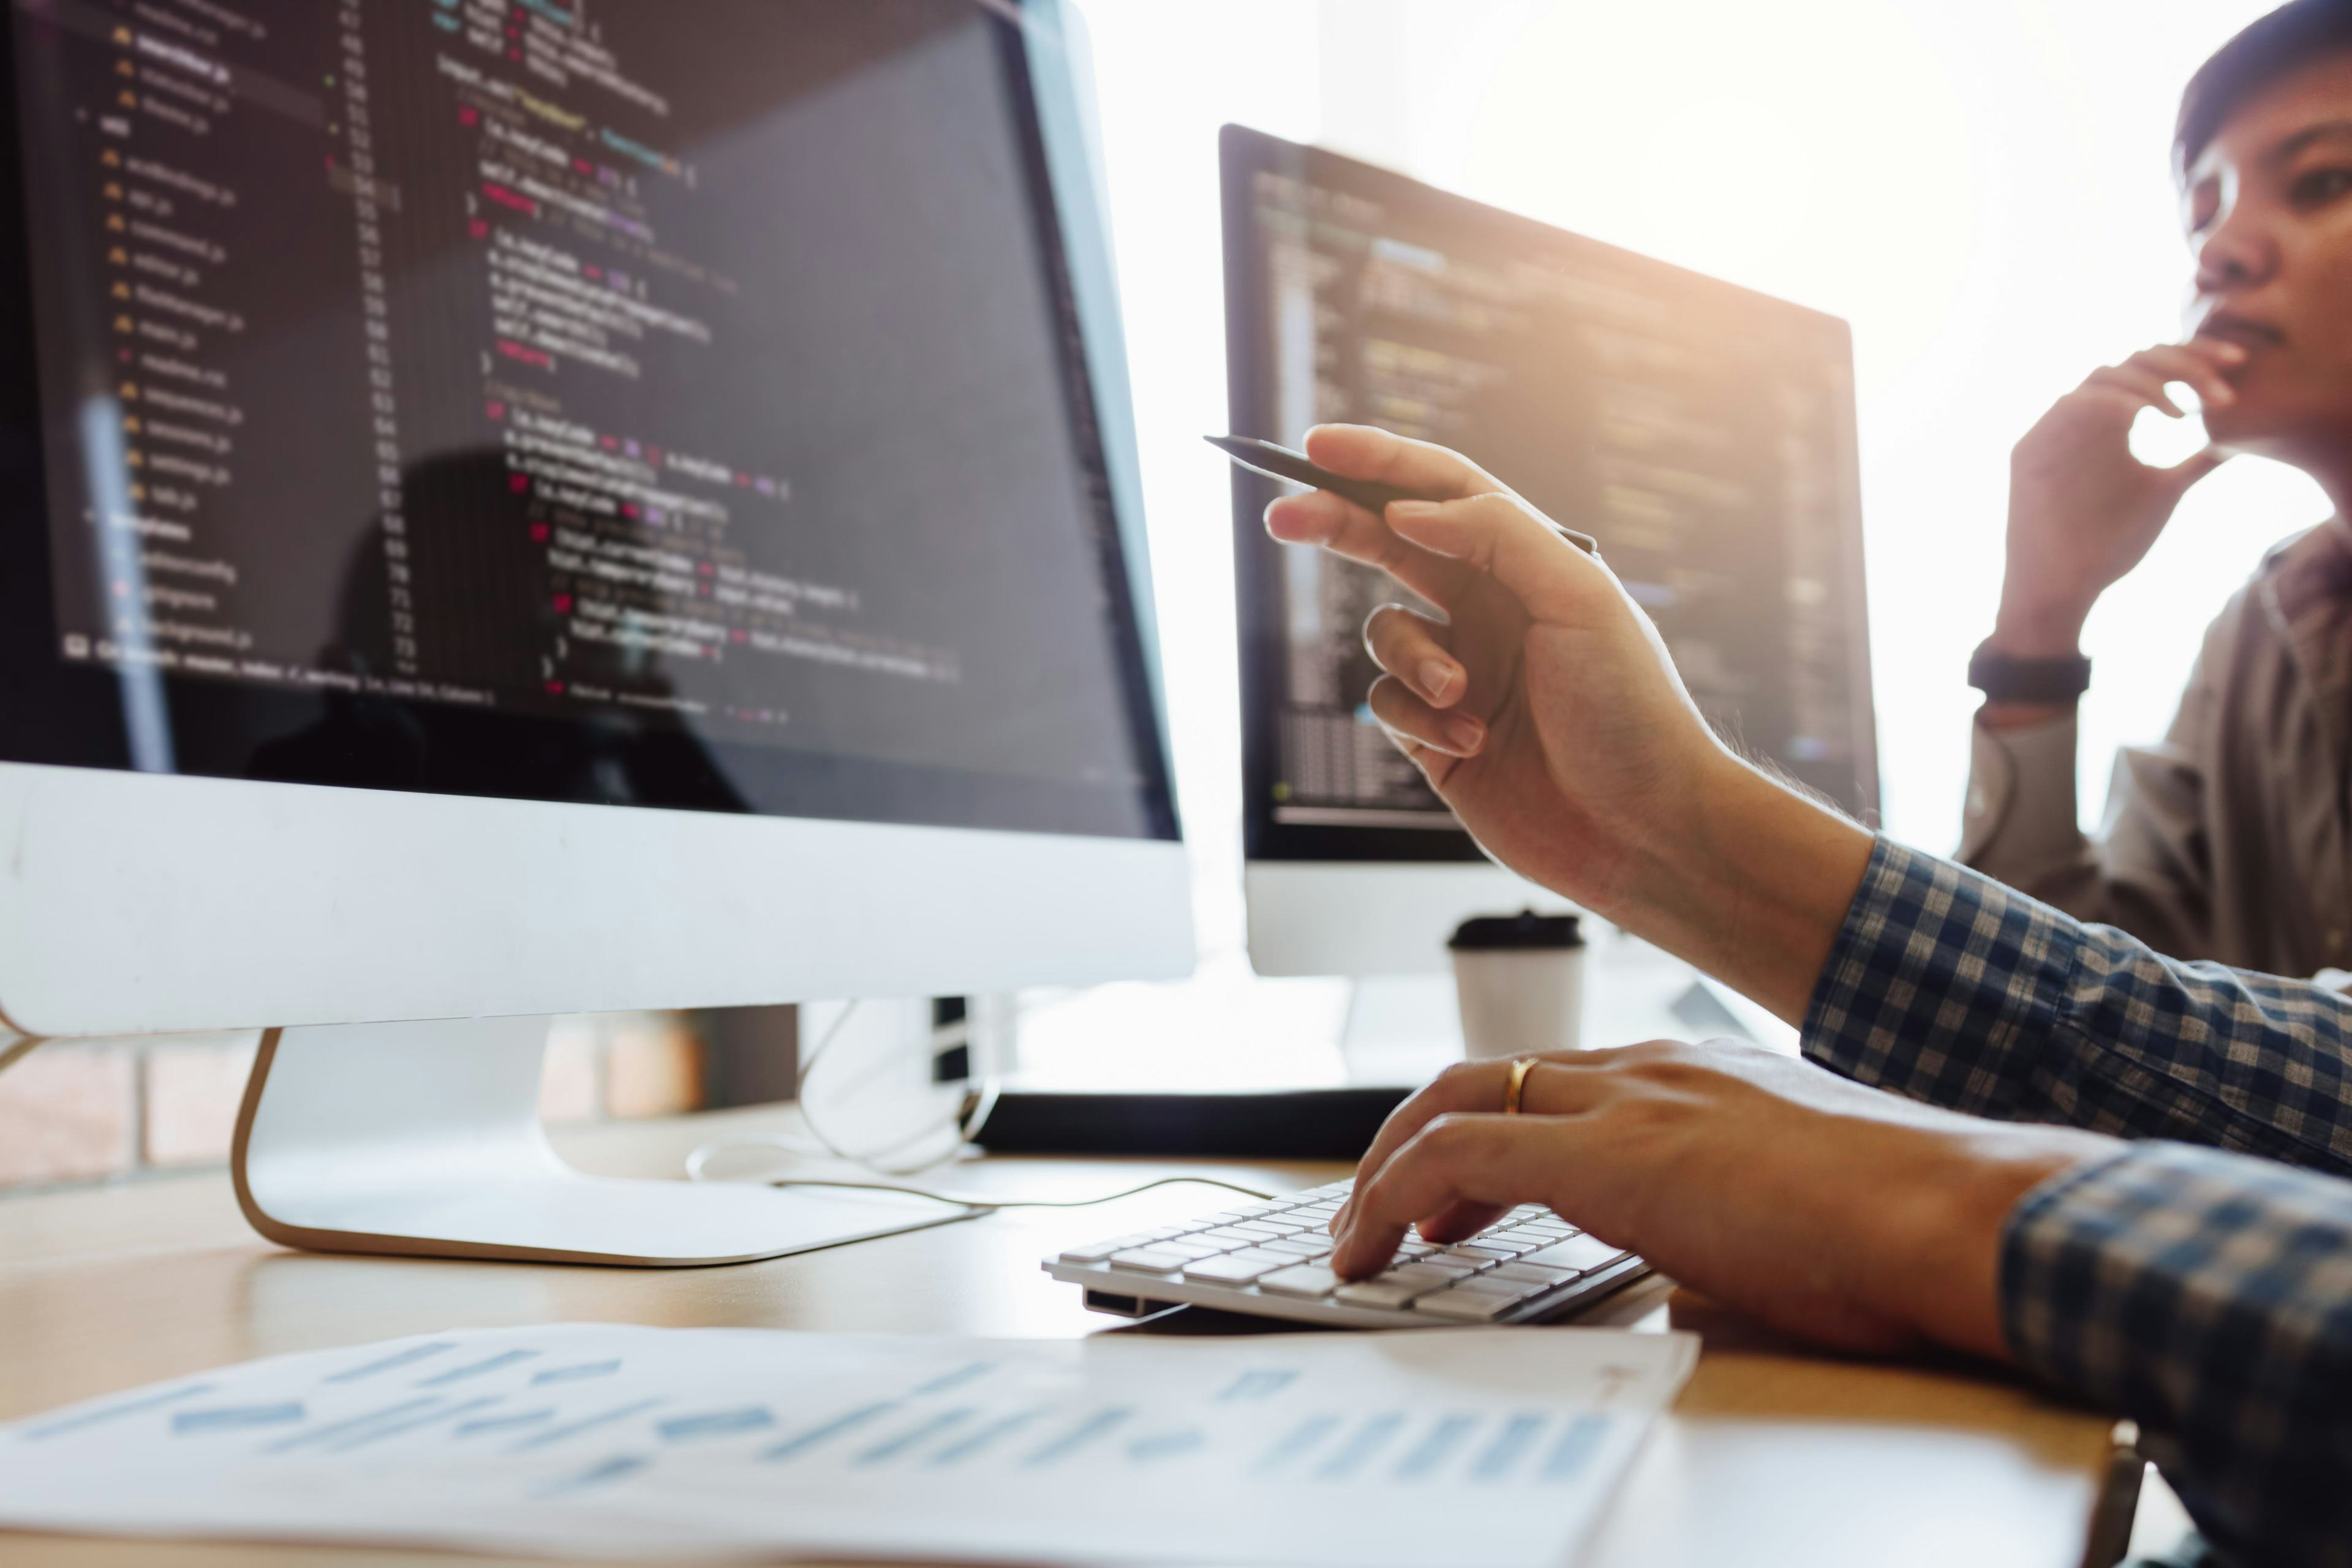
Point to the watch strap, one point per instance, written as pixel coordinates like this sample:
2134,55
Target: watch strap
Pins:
2004,679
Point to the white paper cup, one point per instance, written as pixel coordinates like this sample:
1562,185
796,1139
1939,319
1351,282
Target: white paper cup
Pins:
1520,980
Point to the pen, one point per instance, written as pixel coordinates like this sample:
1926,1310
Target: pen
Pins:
1282,463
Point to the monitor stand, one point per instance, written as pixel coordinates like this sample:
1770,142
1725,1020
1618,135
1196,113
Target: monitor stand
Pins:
424,1139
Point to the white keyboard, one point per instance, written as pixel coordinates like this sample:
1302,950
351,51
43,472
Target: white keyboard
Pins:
1273,1259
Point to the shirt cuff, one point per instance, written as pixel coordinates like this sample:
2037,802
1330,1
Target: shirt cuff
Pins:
1940,984
2022,805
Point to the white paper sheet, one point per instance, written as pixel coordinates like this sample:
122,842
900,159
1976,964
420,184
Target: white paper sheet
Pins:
1368,1450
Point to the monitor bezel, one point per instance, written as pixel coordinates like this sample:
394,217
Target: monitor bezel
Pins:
1244,152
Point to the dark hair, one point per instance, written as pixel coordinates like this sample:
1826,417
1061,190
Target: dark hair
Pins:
2285,40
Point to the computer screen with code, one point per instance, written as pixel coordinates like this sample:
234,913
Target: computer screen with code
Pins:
601,399
1703,433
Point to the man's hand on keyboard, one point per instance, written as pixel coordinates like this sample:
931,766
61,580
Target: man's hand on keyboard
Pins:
1829,1210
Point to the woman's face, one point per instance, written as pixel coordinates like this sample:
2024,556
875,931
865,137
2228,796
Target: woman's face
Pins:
2269,212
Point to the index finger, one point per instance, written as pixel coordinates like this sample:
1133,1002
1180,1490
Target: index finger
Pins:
1463,1086
1424,467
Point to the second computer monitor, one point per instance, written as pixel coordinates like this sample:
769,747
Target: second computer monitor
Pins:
1705,433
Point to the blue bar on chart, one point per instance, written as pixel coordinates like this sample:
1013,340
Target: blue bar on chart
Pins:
392,1362
715,1424
128,1407
1100,1425
507,1423
393,1429
957,1378
963,1448
1342,1463
554,1435
1165,1445
235,1417
1509,1447
793,1447
1428,1455
603,1473
921,1432
474,1369
1257,1384
1574,1448
586,1369
359,1423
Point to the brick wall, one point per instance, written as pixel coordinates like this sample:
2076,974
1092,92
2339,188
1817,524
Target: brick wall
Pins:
100,1111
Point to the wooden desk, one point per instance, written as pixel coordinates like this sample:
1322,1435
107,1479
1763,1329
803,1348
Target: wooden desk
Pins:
1772,1456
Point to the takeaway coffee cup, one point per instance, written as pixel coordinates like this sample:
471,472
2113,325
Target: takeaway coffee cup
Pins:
1520,981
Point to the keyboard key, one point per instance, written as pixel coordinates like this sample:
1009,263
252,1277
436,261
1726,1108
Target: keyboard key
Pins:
1096,1251
1302,1280
1463,1260
1225,1237
1238,1267
1531,1273
1464,1306
1461,1268
1423,1273
1503,1289
1583,1253
1486,1250
1390,1293
1301,1245
1146,1260
1259,1227
1186,1247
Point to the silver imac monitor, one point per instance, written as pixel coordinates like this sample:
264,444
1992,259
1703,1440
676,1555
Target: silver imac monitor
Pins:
556,506
1703,432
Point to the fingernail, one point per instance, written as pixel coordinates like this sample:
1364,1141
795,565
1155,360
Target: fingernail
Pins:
1466,735
1436,679
2222,393
1411,508
2228,350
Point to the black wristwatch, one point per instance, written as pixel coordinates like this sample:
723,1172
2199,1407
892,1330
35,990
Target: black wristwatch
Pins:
2005,680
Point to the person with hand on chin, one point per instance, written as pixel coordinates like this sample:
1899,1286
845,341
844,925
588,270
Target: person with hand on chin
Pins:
2228,840
1990,1202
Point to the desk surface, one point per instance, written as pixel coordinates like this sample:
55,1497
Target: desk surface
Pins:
1772,1456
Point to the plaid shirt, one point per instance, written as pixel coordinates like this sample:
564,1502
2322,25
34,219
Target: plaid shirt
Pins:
2206,1294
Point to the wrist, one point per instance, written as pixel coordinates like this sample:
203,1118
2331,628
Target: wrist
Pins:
1940,1240
2045,628
1751,883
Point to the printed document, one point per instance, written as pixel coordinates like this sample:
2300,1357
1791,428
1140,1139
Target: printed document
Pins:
1368,1450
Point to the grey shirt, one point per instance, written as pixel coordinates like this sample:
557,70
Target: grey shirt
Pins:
2228,839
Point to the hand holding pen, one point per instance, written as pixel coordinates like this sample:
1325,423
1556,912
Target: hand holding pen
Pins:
1540,702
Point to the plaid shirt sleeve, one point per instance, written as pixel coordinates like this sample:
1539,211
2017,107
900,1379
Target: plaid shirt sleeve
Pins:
1949,987
2205,1294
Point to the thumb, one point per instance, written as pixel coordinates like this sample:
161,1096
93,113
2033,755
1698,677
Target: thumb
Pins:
1504,536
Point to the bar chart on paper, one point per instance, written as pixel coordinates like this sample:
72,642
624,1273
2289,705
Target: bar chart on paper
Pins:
608,1440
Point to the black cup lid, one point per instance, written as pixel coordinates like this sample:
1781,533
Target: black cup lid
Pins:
1505,934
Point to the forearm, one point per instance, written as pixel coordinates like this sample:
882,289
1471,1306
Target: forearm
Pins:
1752,885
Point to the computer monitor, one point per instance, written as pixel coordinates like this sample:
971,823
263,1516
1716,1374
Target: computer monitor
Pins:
526,506
1705,433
